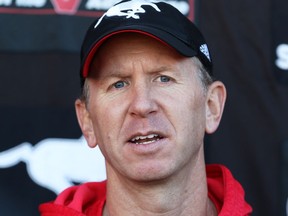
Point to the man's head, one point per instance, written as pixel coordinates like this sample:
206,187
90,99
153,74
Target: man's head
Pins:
149,104
156,19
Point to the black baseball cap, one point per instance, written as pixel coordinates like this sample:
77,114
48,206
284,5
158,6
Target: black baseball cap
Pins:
154,18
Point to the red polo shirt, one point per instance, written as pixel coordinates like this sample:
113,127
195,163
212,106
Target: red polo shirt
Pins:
88,199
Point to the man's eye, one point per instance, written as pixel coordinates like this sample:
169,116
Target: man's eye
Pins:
119,84
164,79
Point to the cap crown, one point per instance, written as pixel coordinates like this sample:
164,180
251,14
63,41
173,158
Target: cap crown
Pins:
152,17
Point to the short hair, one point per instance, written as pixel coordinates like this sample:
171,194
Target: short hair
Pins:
205,77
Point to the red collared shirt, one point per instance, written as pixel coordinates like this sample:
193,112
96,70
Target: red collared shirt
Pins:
88,199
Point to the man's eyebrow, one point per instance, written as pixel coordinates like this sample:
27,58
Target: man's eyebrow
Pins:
161,69
115,73
169,69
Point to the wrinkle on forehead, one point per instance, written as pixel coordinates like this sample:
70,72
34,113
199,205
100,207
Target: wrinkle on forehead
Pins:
132,45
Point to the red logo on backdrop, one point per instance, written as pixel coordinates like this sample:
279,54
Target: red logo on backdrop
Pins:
65,6
93,8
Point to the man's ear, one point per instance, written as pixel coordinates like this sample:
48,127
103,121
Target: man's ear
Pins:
85,123
216,97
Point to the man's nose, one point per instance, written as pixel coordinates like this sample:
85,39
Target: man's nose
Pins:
142,101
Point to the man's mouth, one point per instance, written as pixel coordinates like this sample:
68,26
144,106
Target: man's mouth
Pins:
144,140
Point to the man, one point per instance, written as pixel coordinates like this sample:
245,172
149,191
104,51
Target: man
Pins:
147,100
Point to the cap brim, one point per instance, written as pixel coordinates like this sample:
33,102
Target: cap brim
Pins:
158,34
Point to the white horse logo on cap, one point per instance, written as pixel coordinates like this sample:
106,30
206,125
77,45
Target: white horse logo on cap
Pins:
129,9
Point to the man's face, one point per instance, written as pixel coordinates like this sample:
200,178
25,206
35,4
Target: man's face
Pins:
147,108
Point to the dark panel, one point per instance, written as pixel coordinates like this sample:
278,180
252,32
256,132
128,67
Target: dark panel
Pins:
254,123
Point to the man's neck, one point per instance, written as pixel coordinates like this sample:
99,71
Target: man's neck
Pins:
182,196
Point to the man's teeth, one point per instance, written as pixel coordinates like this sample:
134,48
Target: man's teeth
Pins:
150,136
145,139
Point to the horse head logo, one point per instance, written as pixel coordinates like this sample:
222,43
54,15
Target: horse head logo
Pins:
57,163
129,9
